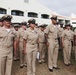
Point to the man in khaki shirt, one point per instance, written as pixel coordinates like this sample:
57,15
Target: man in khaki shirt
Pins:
67,37
59,35
52,43
42,43
7,39
16,51
21,33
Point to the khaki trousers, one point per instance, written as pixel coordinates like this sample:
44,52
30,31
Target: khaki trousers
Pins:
6,58
42,48
22,55
31,60
67,51
52,53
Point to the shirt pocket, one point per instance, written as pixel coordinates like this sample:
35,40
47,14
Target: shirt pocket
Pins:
3,34
12,35
52,30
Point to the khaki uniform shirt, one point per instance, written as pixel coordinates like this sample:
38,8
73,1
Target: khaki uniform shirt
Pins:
60,31
31,37
21,33
67,35
37,29
41,36
52,32
7,38
17,33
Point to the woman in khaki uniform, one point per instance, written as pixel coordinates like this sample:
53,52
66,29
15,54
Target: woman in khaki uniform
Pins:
16,51
67,37
30,41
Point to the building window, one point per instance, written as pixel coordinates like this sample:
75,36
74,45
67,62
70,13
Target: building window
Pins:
2,11
26,1
31,14
73,22
17,13
44,16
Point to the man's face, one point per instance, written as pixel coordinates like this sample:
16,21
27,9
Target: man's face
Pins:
24,27
54,21
16,28
68,27
7,23
42,29
32,25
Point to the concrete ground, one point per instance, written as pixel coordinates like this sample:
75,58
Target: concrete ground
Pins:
42,69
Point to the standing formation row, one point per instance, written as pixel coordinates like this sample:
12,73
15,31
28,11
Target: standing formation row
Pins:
27,41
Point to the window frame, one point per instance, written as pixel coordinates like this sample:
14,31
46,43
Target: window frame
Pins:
3,11
43,16
17,13
32,14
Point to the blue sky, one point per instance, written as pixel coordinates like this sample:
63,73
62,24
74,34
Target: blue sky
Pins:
62,7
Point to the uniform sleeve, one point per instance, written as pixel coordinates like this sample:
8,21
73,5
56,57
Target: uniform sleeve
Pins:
73,33
16,36
38,34
63,34
25,36
47,30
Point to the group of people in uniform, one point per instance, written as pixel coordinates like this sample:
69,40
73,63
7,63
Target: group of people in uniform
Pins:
23,41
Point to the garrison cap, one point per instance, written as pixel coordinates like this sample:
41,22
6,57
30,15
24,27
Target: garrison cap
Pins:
16,25
7,17
24,23
42,26
31,21
67,25
45,25
53,17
